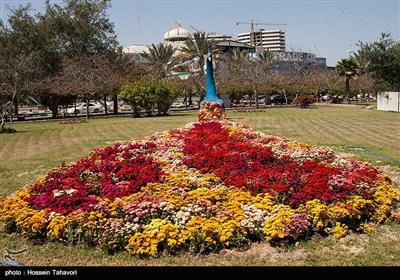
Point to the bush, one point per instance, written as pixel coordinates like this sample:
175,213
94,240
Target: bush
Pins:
305,100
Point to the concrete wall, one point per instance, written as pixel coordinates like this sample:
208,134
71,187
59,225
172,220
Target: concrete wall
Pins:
388,101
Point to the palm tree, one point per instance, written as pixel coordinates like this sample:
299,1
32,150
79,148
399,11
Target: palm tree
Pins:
198,46
161,59
267,58
236,55
194,50
348,68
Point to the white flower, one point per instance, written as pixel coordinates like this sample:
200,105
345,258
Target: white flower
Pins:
60,193
70,191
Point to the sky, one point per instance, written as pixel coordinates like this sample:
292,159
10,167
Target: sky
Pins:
330,29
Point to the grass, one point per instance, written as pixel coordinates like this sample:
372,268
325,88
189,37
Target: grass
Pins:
339,127
380,248
40,146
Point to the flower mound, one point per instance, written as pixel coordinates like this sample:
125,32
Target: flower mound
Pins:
208,185
211,111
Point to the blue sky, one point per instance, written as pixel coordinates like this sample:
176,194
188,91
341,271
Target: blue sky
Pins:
326,28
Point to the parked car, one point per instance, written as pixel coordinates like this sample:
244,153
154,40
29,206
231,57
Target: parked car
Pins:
81,109
279,99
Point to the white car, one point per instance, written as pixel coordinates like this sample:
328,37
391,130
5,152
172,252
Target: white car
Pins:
81,109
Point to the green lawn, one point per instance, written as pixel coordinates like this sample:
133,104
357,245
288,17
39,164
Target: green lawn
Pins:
40,146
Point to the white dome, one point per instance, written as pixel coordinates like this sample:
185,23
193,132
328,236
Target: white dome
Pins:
178,33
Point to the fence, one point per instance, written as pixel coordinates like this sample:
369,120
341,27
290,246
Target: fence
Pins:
388,101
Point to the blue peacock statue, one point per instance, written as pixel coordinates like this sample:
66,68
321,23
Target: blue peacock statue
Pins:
211,93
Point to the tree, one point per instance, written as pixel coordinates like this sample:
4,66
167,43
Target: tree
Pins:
245,73
347,68
160,59
18,55
80,26
18,60
383,58
88,77
230,74
15,75
323,81
149,94
193,54
71,31
256,71
364,85
78,33
166,93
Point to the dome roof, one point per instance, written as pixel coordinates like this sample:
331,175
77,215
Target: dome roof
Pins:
177,33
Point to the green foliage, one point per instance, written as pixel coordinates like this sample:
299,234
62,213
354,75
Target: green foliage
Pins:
147,95
195,49
80,27
383,58
34,47
347,68
199,45
160,59
166,93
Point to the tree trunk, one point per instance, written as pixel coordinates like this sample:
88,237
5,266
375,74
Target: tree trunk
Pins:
284,94
54,109
105,105
15,101
256,95
87,107
3,122
115,104
347,90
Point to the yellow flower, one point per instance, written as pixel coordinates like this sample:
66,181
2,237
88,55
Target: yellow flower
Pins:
318,212
158,231
275,226
56,227
338,211
384,197
264,202
366,228
339,230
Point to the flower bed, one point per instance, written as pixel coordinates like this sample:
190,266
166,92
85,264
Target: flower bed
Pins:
208,185
211,111
72,121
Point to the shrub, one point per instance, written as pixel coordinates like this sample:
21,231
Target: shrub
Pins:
305,100
8,130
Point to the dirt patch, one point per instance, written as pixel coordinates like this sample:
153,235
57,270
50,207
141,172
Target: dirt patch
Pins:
262,249
353,243
264,252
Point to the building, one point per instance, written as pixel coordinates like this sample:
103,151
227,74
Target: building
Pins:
228,45
302,60
272,40
177,36
135,51
219,38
